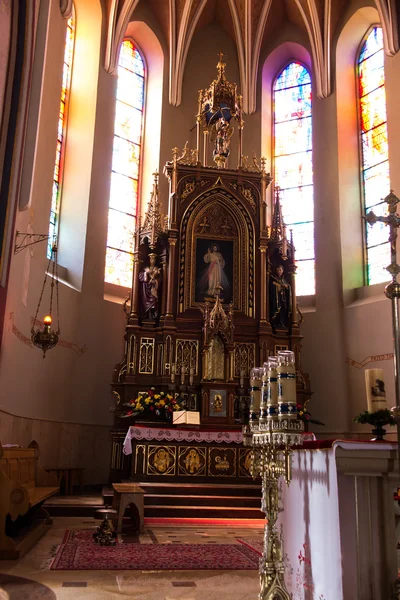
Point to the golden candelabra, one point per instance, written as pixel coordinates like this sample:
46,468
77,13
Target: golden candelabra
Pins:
273,432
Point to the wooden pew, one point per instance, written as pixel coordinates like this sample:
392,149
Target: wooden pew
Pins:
24,486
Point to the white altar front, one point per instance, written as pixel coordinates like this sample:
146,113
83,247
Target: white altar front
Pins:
339,522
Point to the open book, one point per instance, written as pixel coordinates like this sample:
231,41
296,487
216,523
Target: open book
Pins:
186,417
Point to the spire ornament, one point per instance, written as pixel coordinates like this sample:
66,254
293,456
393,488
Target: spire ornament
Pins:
219,105
154,224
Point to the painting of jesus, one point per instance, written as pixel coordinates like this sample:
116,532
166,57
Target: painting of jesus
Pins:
214,267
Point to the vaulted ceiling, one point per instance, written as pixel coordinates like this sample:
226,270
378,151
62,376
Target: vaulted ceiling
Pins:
249,23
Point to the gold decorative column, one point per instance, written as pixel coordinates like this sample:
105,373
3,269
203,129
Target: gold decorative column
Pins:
134,314
263,284
292,271
170,291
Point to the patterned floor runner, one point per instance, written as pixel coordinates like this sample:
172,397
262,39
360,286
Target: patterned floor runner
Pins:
79,552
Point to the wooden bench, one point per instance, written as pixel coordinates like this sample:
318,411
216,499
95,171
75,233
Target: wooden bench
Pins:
24,486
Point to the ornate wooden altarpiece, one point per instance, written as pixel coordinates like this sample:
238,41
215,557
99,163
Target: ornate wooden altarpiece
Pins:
213,259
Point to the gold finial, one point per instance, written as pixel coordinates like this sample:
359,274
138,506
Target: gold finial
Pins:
155,175
221,65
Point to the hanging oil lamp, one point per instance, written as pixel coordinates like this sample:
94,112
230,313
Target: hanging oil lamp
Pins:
45,337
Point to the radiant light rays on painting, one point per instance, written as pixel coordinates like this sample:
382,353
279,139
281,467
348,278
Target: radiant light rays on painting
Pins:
61,134
125,165
374,150
293,171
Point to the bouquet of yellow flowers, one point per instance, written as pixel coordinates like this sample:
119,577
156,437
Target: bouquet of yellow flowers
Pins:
159,403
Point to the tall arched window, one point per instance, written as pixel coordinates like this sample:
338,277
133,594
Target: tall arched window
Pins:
293,171
374,151
61,134
125,165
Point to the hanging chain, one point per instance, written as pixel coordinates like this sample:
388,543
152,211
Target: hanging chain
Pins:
54,281
57,294
41,294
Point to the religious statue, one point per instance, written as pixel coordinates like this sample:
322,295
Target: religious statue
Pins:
280,299
222,134
214,274
150,280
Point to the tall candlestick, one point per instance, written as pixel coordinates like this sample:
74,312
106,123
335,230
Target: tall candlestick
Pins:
182,375
375,386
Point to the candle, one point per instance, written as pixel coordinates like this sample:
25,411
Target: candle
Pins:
191,376
375,386
182,375
173,373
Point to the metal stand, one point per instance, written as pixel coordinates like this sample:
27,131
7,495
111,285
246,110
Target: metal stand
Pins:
392,291
272,449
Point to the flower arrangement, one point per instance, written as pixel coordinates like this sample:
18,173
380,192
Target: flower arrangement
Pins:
304,415
377,418
158,403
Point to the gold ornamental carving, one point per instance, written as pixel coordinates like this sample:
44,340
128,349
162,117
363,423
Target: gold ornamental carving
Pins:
161,460
146,357
192,461
245,462
188,189
244,354
216,222
222,461
187,353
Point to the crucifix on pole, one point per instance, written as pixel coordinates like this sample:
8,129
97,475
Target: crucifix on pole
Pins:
392,290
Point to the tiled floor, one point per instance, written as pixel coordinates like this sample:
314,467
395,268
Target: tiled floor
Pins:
31,579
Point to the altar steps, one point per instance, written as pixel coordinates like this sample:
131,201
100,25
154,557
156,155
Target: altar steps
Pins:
196,500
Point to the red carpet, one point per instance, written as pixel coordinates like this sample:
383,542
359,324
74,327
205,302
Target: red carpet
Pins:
79,552
236,523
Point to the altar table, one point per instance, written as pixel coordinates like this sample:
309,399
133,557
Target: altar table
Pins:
339,522
181,454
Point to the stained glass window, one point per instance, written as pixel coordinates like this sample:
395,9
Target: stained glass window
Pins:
61,134
293,169
125,165
374,151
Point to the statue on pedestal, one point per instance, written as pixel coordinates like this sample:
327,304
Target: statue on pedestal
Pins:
149,290
280,299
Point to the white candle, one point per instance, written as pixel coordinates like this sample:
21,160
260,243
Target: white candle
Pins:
182,375
191,376
375,386
173,373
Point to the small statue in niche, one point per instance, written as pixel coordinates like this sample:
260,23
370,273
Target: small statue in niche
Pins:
222,135
280,299
150,280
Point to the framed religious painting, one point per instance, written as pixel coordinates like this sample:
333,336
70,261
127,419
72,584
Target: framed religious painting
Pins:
217,406
214,265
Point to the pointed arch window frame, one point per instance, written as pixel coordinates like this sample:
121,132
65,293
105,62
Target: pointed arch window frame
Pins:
279,72
62,134
140,162
377,227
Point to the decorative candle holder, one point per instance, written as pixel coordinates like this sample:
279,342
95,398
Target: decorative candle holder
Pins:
378,420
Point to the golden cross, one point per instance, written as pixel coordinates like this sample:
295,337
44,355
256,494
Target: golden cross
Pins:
220,54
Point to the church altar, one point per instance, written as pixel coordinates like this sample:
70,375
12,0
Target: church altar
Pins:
208,456
339,521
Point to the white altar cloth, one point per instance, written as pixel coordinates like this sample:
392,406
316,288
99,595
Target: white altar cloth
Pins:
339,543
159,434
